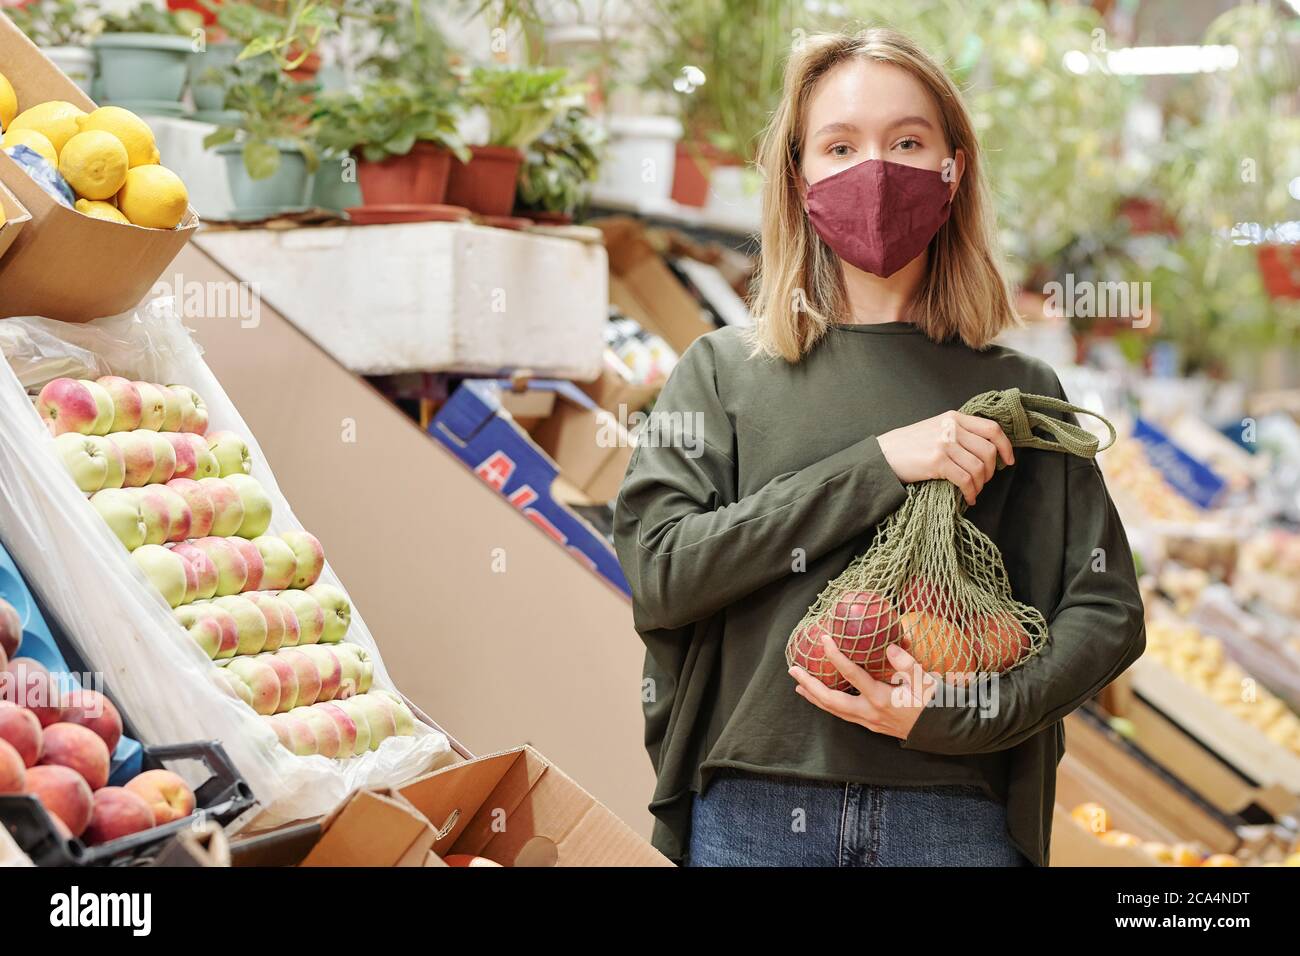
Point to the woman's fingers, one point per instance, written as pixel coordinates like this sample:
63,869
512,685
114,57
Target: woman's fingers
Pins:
965,471
981,448
832,701
877,692
991,431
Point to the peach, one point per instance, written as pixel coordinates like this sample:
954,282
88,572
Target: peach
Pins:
20,728
310,557
116,812
227,506
295,734
11,628
168,796
78,748
128,406
465,859
13,772
67,405
93,710
28,684
232,685
64,793
206,576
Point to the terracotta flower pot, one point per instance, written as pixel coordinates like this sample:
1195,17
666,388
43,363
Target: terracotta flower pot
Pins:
418,178
487,183
1279,267
692,169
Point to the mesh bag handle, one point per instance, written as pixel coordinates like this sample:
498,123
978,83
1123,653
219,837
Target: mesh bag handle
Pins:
1022,415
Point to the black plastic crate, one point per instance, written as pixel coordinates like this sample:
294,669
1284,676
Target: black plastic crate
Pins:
222,797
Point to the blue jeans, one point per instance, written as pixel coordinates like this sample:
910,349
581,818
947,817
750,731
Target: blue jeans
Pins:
749,819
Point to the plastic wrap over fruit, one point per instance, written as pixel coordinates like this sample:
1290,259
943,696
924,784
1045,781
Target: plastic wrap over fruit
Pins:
43,174
160,678
932,582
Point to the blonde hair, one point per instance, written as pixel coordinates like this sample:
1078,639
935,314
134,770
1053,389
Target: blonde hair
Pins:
800,284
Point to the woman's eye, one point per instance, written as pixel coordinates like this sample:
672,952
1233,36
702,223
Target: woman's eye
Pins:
840,150
909,144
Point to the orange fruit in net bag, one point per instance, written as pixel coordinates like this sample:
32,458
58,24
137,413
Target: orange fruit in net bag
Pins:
938,645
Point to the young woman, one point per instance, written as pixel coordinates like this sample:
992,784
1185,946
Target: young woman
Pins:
774,456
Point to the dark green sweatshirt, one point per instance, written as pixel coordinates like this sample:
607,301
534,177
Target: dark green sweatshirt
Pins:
758,481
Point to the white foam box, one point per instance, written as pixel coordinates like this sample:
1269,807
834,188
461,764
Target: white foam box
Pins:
431,297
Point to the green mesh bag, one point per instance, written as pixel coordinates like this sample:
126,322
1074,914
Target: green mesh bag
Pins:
931,581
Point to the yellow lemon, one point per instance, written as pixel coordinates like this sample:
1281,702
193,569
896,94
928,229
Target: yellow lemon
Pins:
8,102
56,119
94,164
153,196
32,140
97,209
135,134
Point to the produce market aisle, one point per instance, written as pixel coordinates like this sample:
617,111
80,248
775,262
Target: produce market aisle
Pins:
536,650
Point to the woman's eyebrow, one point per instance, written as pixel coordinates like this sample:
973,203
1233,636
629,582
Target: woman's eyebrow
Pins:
836,128
910,121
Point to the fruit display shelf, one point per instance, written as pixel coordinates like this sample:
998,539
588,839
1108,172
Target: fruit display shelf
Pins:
1236,742
222,798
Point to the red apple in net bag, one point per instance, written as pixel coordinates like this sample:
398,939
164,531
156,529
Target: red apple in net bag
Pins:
1006,641
862,624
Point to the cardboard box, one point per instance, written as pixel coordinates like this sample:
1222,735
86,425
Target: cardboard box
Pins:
646,288
15,218
491,588
615,391
65,265
478,429
515,808
519,809
1074,845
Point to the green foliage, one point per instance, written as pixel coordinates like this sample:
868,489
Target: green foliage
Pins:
145,18
520,102
55,22
387,118
724,60
409,47
289,37
561,163
274,114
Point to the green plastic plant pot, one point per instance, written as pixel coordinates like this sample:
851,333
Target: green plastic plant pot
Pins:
143,66
286,189
331,190
210,97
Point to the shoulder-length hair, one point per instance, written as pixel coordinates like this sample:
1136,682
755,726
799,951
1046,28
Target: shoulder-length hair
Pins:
800,286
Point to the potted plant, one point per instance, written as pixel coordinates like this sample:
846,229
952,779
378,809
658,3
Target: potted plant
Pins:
63,30
271,152
144,58
520,102
560,166
402,137
722,58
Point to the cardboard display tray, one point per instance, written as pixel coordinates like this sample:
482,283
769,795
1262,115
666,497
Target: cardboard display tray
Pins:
1237,743
15,218
62,264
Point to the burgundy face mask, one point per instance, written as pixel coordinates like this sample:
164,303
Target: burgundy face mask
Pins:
878,215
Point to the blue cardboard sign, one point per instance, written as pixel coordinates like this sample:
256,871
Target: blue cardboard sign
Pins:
474,426
1191,478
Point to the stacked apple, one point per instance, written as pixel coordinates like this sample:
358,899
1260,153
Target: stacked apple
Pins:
344,728
58,746
195,522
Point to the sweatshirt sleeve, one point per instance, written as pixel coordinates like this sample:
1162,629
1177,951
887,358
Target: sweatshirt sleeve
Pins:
1095,632
689,545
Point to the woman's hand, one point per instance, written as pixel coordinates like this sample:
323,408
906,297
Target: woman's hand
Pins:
959,448
886,708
